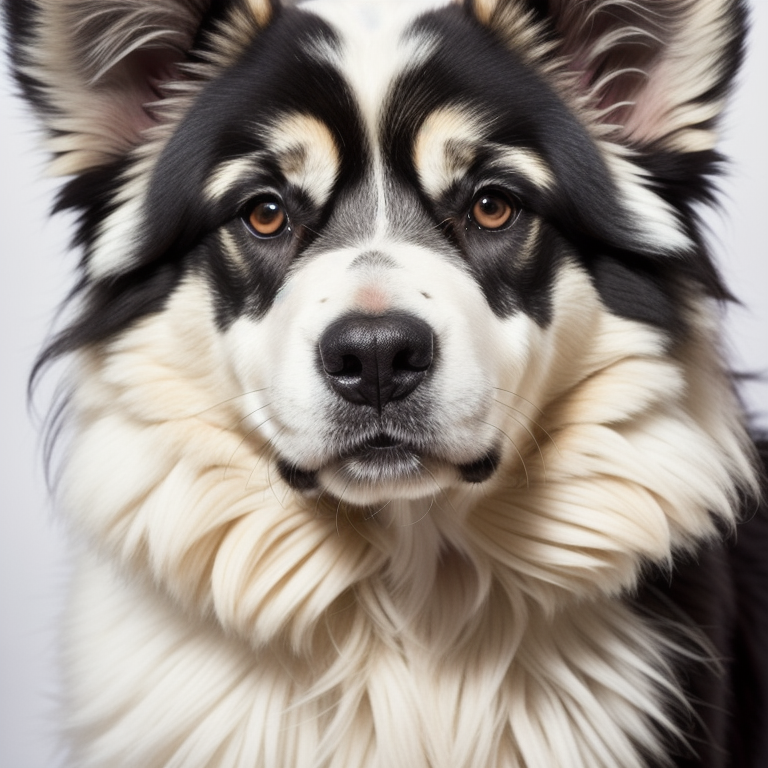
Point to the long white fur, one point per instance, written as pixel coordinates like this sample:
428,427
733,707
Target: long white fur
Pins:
221,619
464,601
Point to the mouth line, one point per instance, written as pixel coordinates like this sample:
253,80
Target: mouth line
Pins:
382,459
381,444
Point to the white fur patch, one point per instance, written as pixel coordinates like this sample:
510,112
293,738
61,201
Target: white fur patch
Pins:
375,51
656,223
473,627
116,247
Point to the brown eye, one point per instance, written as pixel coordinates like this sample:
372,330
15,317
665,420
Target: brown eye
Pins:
267,218
493,210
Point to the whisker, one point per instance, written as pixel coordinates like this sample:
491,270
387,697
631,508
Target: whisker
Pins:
426,514
269,480
325,490
525,427
531,419
245,437
255,410
440,491
432,503
228,400
373,514
338,507
517,450
263,453
520,397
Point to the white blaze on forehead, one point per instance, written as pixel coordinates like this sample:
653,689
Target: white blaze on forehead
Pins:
376,48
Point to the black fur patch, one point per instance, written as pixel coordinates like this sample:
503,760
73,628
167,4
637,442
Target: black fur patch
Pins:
480,470
636,289
721,593
579,217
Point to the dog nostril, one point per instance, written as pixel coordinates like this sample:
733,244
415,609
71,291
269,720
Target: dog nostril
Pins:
374,360
341,365
351,366
412,360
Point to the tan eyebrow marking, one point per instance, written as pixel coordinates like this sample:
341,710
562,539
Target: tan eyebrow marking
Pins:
307,154
305,151
449,141
445,147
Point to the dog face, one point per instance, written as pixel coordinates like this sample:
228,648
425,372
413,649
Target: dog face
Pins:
382,208
439,260
395,363
418,219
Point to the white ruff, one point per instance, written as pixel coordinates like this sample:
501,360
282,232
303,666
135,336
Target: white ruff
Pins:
484,628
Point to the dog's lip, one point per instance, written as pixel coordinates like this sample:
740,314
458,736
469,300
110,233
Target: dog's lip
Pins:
381,442
383,456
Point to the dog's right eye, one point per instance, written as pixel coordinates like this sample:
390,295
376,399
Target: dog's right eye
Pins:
266,217
493,210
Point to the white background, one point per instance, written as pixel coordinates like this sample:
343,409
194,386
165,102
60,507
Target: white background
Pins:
35,274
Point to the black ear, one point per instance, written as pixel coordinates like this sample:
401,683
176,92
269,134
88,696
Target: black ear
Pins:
651,72
99,72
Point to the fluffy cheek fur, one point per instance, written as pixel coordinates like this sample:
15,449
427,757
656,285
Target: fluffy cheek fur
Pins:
388,627
605,465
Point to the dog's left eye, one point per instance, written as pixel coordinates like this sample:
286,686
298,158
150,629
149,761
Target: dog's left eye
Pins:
493,210
266,217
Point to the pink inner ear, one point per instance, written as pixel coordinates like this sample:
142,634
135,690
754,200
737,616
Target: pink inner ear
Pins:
618,50
634,95
135,84
646,121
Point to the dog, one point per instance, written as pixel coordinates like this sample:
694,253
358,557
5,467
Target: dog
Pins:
398,431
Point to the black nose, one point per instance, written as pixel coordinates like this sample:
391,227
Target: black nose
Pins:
373,360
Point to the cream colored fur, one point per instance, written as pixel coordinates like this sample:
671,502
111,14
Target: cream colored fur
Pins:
247,625
220,619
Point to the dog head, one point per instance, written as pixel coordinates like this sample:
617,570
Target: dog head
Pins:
352,267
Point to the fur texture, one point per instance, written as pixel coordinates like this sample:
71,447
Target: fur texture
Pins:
388,484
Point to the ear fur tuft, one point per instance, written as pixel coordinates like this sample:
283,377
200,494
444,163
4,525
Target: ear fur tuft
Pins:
98,71
655,71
